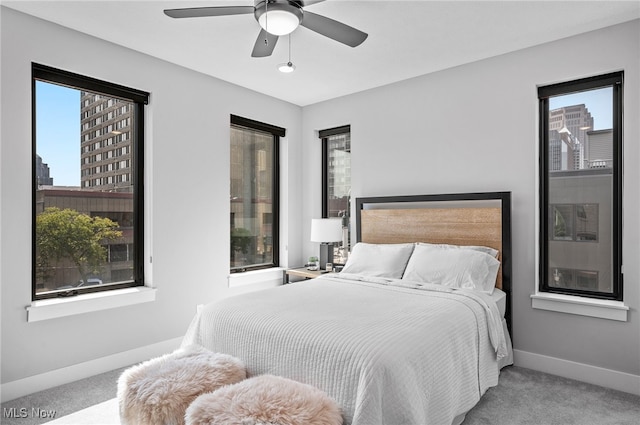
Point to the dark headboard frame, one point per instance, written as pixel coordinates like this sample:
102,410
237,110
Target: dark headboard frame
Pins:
504,199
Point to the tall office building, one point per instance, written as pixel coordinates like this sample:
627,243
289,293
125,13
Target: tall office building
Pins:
106,131
568,127
339,174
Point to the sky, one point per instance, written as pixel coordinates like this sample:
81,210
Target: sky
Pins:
58,132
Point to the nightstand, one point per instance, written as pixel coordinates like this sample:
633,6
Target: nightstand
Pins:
302,272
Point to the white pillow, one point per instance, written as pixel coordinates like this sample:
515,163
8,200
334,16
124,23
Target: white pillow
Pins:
378,260
487,250
454,267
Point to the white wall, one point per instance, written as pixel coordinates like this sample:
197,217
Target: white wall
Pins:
188,192
475,128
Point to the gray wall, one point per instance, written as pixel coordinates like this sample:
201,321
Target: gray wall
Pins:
475,128
188,192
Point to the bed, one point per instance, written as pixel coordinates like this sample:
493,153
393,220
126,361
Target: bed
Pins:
381,338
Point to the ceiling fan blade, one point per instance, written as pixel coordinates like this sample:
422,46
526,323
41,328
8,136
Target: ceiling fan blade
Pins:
265,44
199,12
333,29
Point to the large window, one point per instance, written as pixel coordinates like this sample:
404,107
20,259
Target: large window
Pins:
88,195
336,182
581,187
254,194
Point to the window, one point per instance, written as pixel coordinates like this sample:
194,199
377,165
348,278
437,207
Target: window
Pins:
581,187
254,194
336,182
336,171
82,215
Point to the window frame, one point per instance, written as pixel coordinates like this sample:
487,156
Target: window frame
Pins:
615,81
139,98
277,133
324,136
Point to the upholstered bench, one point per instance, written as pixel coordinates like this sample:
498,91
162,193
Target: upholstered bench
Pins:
262,400
158,391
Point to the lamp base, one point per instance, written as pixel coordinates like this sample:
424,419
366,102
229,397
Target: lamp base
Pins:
326,254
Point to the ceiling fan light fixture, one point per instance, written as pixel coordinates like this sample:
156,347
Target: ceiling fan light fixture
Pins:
286,68
278,18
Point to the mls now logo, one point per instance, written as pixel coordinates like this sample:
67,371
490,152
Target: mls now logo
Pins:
23,412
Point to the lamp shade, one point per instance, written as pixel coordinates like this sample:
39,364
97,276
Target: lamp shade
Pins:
326,229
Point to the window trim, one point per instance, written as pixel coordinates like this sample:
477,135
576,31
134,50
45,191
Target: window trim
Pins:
139,98
615,81
276,132
53,308
324,136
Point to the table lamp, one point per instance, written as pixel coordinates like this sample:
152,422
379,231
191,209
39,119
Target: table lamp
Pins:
326,231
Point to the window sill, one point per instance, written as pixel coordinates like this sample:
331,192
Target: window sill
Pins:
256,276
604,309
96,301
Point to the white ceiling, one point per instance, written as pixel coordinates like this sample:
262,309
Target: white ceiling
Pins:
406,38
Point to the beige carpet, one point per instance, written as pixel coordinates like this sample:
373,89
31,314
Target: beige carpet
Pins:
105,413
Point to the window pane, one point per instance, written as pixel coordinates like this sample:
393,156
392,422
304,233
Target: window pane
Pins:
252,198
580,190
337,184
561,278
338,174
562,222
587,222
84,188
587,280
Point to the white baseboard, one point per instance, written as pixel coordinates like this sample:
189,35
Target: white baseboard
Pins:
43,381
613,379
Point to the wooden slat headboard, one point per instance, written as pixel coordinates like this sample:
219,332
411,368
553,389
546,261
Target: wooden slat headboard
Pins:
459,219
456,226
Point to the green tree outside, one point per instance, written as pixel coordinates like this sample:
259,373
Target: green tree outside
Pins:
79,238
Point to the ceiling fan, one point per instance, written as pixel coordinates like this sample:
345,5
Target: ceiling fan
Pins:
279,17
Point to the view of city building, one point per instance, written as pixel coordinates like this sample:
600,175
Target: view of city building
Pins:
338,187
580,191
573,144
42,173
251,195
105,188
105,143
339,174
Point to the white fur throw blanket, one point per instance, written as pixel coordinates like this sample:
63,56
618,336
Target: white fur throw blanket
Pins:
262,400
158,391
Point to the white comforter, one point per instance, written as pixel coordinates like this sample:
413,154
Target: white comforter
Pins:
389,352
